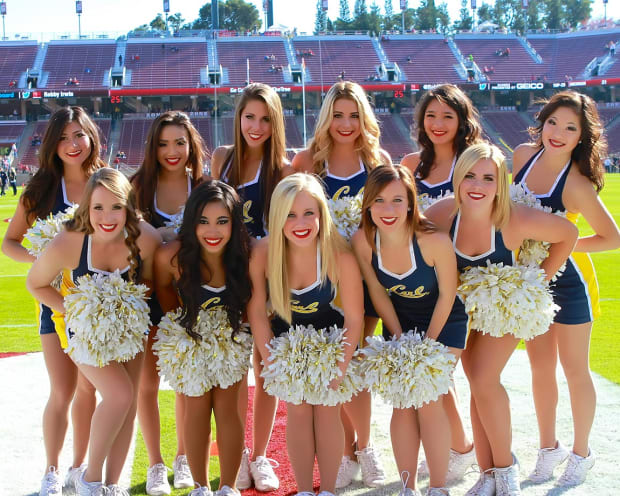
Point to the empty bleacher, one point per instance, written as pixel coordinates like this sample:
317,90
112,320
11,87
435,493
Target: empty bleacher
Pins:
133,138
31,157
233,55
14,60
165,64
510,126
88,62
356,57
425,53
394,139
11,132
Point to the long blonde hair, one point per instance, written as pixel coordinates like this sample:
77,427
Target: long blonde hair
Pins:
502,204
330,241
367,143
117,184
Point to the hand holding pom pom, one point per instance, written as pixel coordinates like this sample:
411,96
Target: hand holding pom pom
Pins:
346,212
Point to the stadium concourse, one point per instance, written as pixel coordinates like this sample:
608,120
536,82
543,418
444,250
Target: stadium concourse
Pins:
125,82
25,393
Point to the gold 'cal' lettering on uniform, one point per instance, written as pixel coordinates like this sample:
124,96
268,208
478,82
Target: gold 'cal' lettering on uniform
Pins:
341,192
399,290
296,307
210,303
246,212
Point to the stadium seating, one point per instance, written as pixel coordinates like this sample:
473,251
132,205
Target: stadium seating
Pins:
88,62
233,56
133,137
15,58
510,126
394,138
32,151
11,132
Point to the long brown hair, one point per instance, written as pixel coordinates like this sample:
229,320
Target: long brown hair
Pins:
377,180
274,148
469,130
592,143
40,192
117,184
145,179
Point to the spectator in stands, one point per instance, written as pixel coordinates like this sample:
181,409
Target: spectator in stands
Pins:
566,151
345,147
409,59
612,48
59,183
342,74
253,165
13,83
120,60
3,181
13,180
446,123
172,167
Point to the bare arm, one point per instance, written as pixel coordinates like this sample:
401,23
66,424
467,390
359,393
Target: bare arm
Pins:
352,298
257,306
411,161
302,162
165,271
217,161
12,242
148,242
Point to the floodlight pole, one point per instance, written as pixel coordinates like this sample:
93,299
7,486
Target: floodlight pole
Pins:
79,26
3,28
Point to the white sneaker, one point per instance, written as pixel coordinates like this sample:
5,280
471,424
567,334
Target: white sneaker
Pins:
72,478
348,471
182,473
437,491
325,493
484,486
157,480
372,469
227,491
305,493
265,478
407,491
51,484
201,491
507,480
577,469
244,479
90,488
116,490
548,460
458,465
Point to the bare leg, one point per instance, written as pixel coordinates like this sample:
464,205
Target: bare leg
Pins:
435,433
359,411
405,434
229,433
62,375
300,444
460,441
349,434
543,354
265,407
574,348
329,442
198,426
82,410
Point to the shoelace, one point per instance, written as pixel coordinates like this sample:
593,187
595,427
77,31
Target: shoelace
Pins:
571,468
267,462
404,480
159,473
115,490
182,468
370,463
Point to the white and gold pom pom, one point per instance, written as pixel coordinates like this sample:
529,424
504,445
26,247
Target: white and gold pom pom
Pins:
194,366
44,230
303,363
406,372
176,220
425,201
108,318
346,213
508,300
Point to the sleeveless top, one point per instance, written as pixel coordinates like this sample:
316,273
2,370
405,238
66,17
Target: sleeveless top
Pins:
86,267
61,202
211,298
252,195
438,189
315,304
497,252
159,218
337,187
414,293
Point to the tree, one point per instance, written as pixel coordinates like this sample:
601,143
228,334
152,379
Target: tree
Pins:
443,18
360,8
465,22
577,11
375,20
485,13
320,22
426,15
175,21
389,10
235,15
553,14
344,20
158,24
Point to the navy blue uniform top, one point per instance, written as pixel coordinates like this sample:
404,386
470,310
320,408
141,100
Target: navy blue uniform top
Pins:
497,253
252,195
314,305
86,267
212,298
61,202
159,218
337,187
438,189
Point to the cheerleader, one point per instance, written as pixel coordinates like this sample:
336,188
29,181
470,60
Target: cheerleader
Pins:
213,234
253,165
172,166
563,169
104,236
69,154
311,278
344,149
482,205
415,292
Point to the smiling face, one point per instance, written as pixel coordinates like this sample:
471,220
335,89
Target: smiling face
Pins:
345,126
561,131
255,123
389,208
214,227
441,122
74,145
173,148
479,186
302,223
107,213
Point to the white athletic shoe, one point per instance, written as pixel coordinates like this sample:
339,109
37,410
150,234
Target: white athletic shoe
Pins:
325,493
348,471
244,479
157,480
458,465
51,484
407,491
72,478
577,469
372,469
200,491
305,493
507,480
116,490
265,478
437,491
548,460
91,488
227,491
182,473
484,486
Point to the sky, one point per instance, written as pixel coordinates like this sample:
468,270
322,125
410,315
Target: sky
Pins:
40,18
